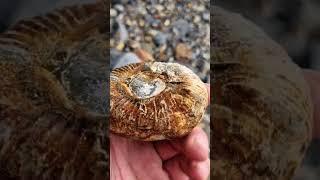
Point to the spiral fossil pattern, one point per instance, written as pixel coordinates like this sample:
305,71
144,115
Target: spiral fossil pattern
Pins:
155,101
52,97
262,112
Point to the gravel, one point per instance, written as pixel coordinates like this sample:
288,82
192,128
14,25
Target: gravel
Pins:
158,26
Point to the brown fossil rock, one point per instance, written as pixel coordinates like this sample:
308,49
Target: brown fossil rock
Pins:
262,112
155,101
52,96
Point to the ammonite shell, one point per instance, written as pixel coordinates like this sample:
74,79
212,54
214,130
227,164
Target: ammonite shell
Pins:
53,122
155,101
262,112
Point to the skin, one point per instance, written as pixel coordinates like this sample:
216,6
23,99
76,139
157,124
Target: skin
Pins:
181,159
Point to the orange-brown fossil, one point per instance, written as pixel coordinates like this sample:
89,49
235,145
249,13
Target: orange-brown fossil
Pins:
53,78
154,101
262,111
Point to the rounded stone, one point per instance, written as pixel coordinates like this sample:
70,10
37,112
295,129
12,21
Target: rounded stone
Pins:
155,101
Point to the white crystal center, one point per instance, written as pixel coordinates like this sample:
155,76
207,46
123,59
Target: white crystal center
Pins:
143,88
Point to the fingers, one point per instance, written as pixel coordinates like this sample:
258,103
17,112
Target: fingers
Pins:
195,146
165,150
200,170
174,169
181,168
196,170
186,158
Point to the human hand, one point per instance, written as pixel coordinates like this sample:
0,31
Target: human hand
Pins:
180,159
313,79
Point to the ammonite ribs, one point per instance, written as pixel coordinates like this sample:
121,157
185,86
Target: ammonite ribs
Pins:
262,112
52,96
155,101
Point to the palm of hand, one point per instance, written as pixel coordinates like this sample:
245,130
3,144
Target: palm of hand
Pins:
186,158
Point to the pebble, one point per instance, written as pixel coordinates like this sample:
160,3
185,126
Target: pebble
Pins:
148,38
160,39
155,23
167,22
119,7
134,44
199,8
149,19
113,12
144,55
141,22
196,19
114,56
159,7
149,47
182,28
151,10
128,22
152,32
206,56
123,33
206,16
171,7
124,59
142,10
120,46
183,52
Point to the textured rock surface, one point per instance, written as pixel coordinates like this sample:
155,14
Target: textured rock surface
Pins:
261,107
52,96
155,101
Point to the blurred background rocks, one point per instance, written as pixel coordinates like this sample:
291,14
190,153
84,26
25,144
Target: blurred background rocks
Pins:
172,31
295,24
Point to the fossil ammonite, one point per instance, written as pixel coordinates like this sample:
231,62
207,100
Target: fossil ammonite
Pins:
262,111
155,100
53,122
